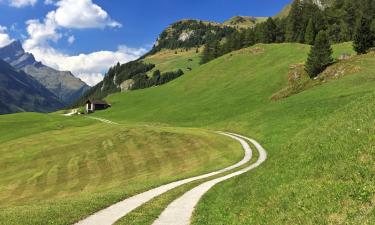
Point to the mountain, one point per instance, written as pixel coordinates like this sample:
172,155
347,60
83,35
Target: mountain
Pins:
323,4
244,21
20,92
61,83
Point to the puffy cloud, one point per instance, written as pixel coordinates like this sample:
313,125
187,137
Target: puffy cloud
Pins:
41,33
82,14
75,14
4,37
21,3
89,67
71,39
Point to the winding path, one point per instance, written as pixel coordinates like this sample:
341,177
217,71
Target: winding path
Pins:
113,213
179,212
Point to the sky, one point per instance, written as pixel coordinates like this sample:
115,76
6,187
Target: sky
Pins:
89,36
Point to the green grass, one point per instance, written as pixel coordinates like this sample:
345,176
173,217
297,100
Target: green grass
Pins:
19,125
324,175
319,170
150,211
59,173
168,61
233,93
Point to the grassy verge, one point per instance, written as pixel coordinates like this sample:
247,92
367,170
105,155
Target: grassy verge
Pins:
324,175
149,212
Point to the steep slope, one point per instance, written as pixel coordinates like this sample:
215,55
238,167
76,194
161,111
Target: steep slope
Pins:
244,21
234,93
62,83
323,4
20,92
190,34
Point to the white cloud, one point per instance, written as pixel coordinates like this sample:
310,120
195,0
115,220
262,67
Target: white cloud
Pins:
21,3
89,67
71,39
80,14
75,14
4,37
41,33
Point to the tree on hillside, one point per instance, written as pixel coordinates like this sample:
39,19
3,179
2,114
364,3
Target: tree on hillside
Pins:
320,55
294,22
211,51
270,31
363,36
310,33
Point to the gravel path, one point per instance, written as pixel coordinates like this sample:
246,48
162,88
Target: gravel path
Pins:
102,120
179,212
113,213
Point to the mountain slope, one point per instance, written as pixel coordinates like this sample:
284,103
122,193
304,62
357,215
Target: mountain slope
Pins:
20,92
321,3
320,146
244,21
62,83
234,93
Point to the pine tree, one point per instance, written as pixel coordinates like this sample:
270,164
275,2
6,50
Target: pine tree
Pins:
320,55
363,37
206,54
270,31
310,33
294,22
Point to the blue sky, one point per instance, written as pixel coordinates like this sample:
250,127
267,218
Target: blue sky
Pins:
128,27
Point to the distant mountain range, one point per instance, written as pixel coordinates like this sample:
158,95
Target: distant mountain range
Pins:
20,92
65,87
62,83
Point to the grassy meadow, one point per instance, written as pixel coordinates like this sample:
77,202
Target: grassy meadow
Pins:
320,143
297,184
173,60
56,170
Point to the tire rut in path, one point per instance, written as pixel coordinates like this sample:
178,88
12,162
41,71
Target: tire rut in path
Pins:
180,211
115,212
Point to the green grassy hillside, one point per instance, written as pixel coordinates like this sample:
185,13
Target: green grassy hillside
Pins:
56,170
173,60
319,141
234,93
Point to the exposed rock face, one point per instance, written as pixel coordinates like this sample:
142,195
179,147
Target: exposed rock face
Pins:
21,92
127,85
61,83
185,35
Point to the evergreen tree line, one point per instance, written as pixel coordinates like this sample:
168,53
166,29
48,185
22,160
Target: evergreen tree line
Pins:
199,33
341,22
113,78
142,81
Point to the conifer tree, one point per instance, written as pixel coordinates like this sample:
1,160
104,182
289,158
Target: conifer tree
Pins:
206,54
363,36
310,33
294,22
270,31
320,55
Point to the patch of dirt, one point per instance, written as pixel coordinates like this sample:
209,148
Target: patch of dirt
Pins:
257,50
299,81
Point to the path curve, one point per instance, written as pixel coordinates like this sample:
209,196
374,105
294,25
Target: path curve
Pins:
115,212
179,212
